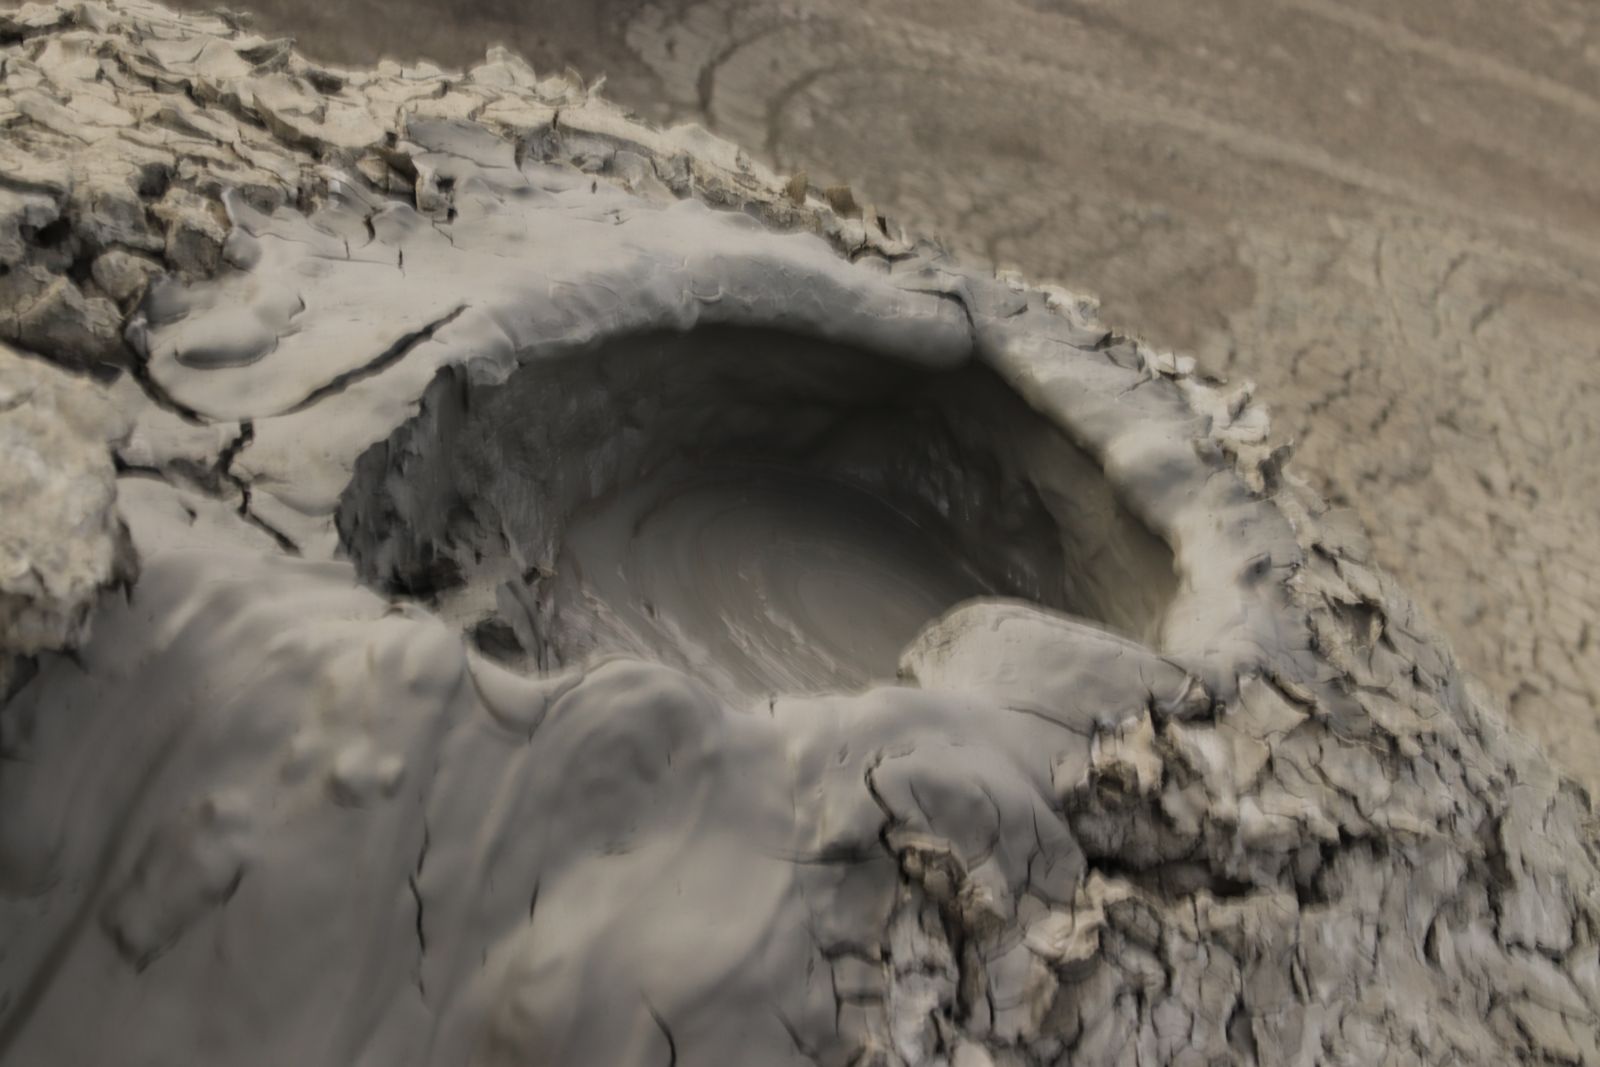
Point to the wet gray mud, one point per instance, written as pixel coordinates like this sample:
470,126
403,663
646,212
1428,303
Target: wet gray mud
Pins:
774,513
778,582
600,603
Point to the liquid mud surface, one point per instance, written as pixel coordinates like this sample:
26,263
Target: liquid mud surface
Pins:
763,579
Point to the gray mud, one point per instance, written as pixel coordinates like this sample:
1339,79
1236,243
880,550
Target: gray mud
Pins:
729,499
778,582
477,361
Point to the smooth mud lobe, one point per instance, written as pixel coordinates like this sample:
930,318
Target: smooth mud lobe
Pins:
773,513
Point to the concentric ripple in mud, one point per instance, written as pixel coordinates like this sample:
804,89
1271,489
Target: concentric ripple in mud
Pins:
766,579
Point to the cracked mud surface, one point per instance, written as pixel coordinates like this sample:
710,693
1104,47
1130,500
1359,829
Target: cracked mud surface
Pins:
395,334
1384,215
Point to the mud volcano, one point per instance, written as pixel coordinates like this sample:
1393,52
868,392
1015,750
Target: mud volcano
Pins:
512,586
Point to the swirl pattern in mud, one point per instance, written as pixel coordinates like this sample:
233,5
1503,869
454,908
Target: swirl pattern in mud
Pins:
778,583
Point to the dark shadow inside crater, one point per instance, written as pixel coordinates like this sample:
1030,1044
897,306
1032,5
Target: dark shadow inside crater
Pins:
770,512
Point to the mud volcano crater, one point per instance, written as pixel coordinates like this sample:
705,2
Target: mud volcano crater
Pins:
774,513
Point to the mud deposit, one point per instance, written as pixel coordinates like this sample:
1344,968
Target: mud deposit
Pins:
601,603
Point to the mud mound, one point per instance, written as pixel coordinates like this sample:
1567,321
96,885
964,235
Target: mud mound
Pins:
602,603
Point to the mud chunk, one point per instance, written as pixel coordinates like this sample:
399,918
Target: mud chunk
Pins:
61,541
78,331
124,275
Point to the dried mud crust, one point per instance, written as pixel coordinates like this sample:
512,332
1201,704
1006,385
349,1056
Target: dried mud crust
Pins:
62,543
297,820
